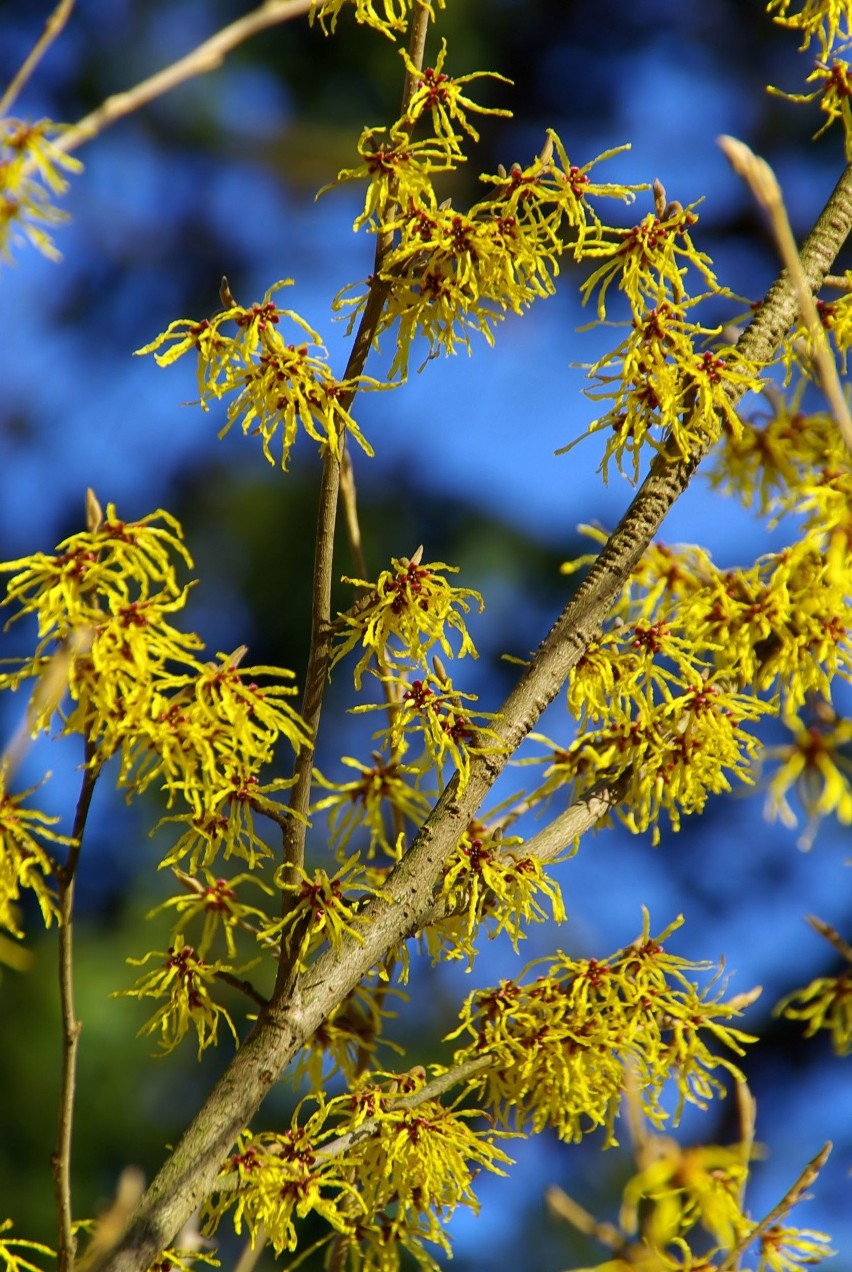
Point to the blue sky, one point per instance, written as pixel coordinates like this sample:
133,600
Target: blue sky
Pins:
78,409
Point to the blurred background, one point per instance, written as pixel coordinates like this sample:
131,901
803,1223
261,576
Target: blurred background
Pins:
219,177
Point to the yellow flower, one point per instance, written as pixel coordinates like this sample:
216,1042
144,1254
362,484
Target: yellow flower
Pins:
281,1177
405,613
25,200
216,904
321,911
431,709
823,20
485,879
441,96
833,93
685,1186
275,385
397,170
650,260
388,16
824,1004
560,1044
25,860
183,980
785,1249
816,766
379,789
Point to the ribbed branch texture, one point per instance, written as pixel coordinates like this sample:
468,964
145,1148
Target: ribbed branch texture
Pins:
187,1176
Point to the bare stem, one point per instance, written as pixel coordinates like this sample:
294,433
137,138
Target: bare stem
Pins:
319,654
52,27
71,1026
792,1196
206,57
764,186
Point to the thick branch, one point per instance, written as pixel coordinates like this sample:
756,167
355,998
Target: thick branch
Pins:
189,1173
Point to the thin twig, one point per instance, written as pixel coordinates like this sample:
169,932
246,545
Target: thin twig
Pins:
244,986
206,57
763,184
316,676
561,1206
251,1251
71,1026
52,27
791,1197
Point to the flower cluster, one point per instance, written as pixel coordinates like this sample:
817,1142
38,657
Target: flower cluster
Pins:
449,272
390,17
32,172
322,912
347,1042
384,1169
824,1004
26,842
825,21
487,879
672,382
274,385
406,612
202,731
561,1045
666,392
684,1209
183,980
692,656
379,795
431,711
827,1002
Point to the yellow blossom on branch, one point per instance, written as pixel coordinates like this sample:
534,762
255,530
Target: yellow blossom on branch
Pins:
26,206
276,1177
26,841
781,1248
396,170
348,1040
215,903
833,93
433,711
822,20
485,879
123,560
380,789
826,1003
441,96
275,386
666,392
682,1187
817,765
408,610
561,1044
649,262
184,980
323,909
390,17
452,272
